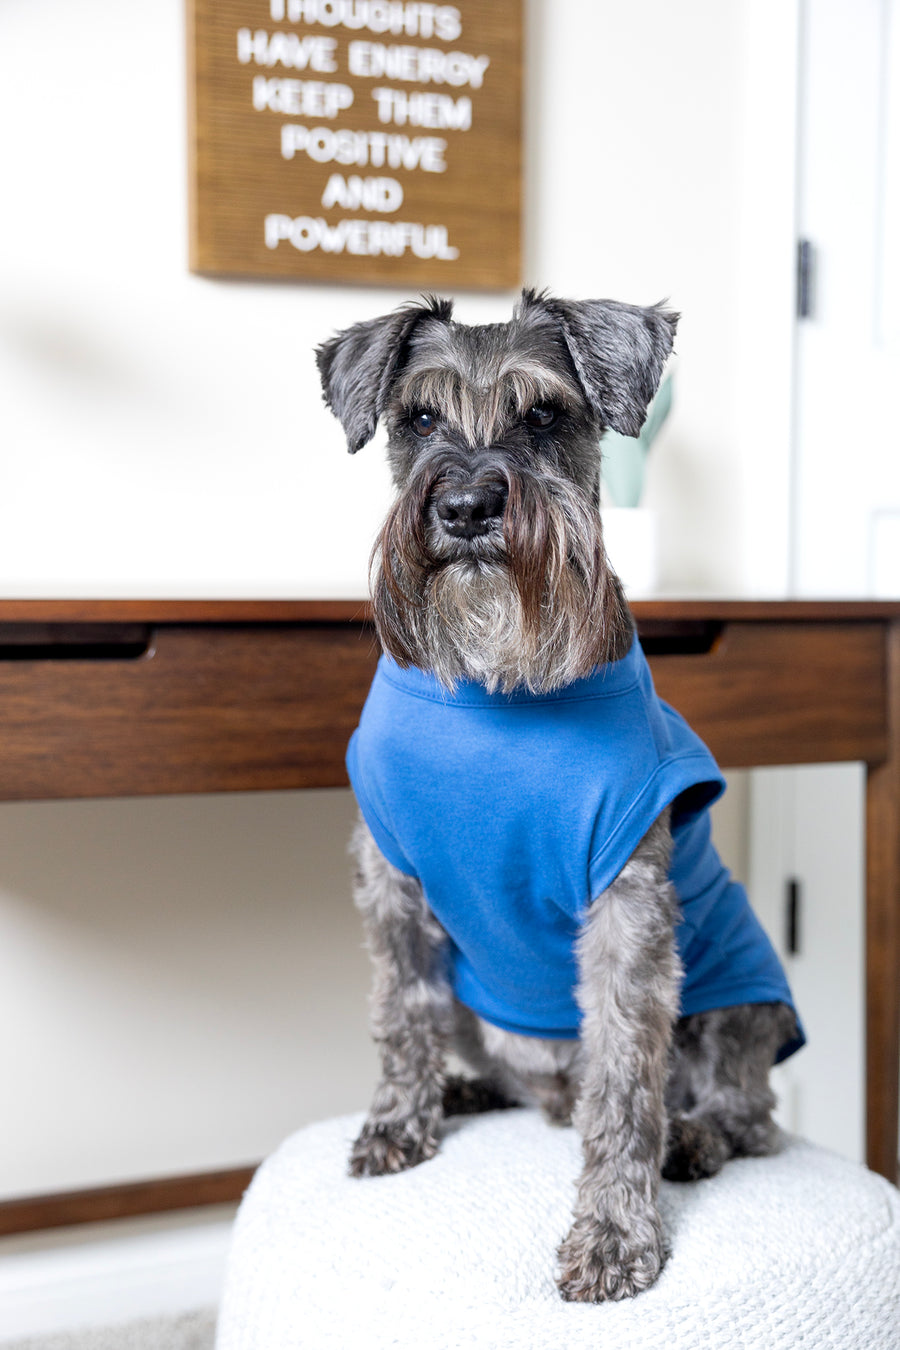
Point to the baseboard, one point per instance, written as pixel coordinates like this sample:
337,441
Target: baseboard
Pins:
100,1204
117,1273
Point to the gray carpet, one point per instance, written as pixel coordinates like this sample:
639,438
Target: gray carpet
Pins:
189,1331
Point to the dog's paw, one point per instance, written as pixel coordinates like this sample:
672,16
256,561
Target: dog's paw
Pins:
695,1148
599,1263
391,1146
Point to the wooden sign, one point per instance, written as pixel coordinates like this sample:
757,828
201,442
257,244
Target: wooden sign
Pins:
357,140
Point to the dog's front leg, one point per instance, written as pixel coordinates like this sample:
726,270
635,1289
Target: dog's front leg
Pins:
628,991
411,1001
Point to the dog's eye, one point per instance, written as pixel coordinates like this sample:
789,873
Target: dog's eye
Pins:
423,423
541,416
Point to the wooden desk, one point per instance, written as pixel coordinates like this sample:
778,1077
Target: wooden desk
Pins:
121,698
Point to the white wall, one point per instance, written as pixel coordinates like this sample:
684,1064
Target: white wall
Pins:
163,434
183,982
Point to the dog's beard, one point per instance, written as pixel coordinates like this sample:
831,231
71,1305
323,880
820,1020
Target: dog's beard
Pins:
536,605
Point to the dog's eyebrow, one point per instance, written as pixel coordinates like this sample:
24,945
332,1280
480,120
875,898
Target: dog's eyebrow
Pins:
479,408
531,383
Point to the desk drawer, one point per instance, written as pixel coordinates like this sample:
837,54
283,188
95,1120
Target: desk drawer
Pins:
776,693
205,708
90,712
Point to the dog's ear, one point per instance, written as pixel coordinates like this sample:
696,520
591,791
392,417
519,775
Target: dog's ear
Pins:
359,366
618,352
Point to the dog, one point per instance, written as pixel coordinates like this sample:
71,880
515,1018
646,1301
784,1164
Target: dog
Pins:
533,863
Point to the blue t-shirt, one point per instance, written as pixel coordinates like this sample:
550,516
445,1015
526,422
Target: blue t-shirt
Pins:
515,811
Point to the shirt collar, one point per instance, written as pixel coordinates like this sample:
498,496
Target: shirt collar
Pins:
604,681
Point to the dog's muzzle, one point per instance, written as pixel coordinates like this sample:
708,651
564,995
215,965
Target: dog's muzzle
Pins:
468,511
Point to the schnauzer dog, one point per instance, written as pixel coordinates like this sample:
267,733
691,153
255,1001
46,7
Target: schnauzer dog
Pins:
534,864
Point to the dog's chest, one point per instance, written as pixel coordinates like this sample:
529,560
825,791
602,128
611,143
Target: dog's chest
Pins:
522,801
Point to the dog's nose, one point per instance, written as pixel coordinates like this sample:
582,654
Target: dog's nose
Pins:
468,511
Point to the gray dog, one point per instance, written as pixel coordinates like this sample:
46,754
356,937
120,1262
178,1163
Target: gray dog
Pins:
535,872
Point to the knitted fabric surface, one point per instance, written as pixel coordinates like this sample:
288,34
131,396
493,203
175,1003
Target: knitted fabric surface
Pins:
800,1249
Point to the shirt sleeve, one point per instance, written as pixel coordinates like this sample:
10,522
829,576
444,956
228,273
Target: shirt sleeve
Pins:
727,955
367,799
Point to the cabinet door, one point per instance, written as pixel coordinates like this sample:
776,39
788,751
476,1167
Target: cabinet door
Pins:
807,824
846,538
806,877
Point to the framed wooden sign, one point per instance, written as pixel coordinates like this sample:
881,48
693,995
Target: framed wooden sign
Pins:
356,140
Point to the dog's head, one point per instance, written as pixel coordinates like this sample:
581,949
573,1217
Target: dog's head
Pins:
491,564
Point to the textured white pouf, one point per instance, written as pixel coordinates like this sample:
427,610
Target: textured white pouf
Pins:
802,1249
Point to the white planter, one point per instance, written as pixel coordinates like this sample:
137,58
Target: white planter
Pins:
630,533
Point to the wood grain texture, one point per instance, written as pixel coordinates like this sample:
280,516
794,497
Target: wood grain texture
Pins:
182,611
883,935
243,703
239,174
100,1204
649,613
208,708
782,693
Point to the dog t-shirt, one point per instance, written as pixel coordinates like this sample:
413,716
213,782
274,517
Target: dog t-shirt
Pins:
515,811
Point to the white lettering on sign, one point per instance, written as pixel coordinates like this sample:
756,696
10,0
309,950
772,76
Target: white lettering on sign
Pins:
378,16
369,194
369,238
287,49
300,98
381,149
437,111
315,66
421,65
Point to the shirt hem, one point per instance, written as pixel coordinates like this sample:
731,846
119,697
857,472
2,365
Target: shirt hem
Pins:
709,1002
664,786
538,1034
736,997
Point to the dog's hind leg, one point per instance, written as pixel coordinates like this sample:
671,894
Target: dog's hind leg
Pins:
411,1013
718,1096
473,1096
628,991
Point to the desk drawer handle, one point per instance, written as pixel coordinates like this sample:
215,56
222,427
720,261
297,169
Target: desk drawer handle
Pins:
74,641
680,637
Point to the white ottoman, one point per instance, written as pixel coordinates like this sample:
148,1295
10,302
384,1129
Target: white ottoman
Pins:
802,1249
